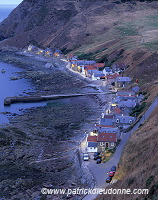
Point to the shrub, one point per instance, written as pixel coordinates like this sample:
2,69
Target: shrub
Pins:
130,181
149,180
138,109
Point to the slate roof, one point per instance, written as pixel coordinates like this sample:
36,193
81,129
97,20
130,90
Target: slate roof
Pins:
123,79
92,138
126,111
124,119
113,76
99,75
93,71
109,116
126,98
107,137
107,120
85,62
136,89
128,104
109,130
125,92
92,144
57,51
107,69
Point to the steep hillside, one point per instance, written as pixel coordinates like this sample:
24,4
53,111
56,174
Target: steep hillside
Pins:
108,31
138,166
101,28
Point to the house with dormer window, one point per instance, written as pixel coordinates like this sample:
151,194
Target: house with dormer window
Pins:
106,140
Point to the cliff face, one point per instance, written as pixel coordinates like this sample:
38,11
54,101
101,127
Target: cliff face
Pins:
45,23
85,25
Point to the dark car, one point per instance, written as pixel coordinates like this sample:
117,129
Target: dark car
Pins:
113,168
111,174
96,155
108,180
98,160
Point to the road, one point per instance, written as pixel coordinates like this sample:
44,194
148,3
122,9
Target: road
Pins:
100,171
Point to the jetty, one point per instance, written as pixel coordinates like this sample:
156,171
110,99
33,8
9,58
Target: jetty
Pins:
29,99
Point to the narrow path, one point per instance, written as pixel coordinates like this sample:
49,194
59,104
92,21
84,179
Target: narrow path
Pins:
100,171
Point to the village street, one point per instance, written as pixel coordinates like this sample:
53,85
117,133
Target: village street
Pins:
99,171
120,113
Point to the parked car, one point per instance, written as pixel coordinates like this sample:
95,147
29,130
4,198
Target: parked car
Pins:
113,168
85,157
108,180
98,160
96,155
111,174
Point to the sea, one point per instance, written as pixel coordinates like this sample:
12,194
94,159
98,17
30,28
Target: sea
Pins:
5,10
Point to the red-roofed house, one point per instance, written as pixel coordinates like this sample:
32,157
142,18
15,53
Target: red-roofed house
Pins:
116,110
118,67
99,125
92,138
106,140
99,65
88,67
91,144
111,78
70,56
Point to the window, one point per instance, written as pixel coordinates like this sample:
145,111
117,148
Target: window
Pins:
101,143
130,121
112,144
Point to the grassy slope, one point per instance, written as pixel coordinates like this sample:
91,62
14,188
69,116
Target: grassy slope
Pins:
128,33
127,28
138,166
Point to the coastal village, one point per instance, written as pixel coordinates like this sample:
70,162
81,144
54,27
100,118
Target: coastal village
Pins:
122,110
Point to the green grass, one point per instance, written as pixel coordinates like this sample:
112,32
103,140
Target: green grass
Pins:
149,180
151,45
89,56
127,30
152,20
138,109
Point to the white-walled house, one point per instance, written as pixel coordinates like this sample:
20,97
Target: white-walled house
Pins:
91,146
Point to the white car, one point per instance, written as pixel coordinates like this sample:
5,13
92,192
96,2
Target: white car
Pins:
85,157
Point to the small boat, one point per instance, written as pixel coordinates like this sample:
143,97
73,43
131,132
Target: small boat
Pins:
2,71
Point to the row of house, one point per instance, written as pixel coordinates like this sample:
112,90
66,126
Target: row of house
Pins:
114,121
45,52
116,118
97,71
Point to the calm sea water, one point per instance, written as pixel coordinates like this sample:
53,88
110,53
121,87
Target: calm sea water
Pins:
5,10
13,88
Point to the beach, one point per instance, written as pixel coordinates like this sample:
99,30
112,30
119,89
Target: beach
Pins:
40,147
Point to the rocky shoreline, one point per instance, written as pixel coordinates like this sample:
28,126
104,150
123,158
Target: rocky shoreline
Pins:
38,147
